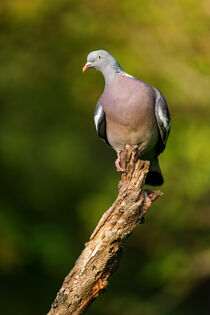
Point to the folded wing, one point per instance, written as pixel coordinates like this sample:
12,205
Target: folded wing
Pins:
100,121
163,120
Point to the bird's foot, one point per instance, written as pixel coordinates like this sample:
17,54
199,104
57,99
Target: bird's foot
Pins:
117,164
137,155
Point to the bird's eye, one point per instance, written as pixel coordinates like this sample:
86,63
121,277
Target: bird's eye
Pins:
99,57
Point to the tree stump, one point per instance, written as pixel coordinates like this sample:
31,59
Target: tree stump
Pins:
101,255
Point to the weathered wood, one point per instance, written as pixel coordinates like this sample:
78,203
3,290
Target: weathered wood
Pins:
101,255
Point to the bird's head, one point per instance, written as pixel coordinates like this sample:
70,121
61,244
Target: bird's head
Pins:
100,60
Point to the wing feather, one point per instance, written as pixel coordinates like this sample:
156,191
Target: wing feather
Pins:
100,121
163,119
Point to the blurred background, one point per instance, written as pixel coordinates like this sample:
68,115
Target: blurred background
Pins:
58,177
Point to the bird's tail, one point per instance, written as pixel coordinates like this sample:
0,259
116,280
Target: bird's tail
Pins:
154,177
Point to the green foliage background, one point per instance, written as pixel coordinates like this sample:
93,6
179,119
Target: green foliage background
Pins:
58,177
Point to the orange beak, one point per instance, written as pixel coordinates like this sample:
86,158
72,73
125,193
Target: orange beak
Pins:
88,65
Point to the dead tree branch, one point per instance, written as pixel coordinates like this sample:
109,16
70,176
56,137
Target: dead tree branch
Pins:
101,255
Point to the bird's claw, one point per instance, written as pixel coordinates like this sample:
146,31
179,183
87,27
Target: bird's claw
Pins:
137,155
117,164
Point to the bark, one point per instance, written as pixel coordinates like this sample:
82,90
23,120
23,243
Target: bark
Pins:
101,255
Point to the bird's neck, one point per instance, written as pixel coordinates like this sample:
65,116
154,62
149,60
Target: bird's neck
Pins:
109,73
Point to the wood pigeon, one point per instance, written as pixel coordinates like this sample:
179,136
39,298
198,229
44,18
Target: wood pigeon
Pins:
130,111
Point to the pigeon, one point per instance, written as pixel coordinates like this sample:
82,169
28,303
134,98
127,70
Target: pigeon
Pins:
130,111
